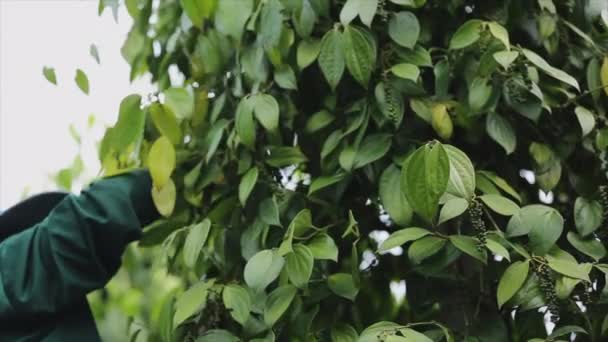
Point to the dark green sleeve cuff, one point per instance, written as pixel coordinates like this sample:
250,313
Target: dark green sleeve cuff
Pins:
78,247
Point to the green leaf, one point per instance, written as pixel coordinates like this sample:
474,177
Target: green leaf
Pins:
244,123
452,208
359,54
479,93
266,109
569,268
365,9
165,121
404,29
547,166
279,156
191,302
161,161
247,184
331,58
238,302
604,75
308,51
498,249
323,247
129,127
195,10
343,333
413,335
372,148
343,285
318,121
401,237
550,70
501,131
217,335
500,183
588,216
586,119
180,101
393,199
511,281
406,71
82,81
277,303
467,34
469,245
262,269
505,58
462,174
324,182
500,204
425,178
195,241
164,198
285,77
298,265
270,24
589,246
500,33
269,212
542,224
419,56
566,330
214,138
49,74
231,16
441,121
304,19
424,248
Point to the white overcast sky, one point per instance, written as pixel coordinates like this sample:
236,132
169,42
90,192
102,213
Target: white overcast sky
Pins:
35,114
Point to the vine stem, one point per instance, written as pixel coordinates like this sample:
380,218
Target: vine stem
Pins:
581,95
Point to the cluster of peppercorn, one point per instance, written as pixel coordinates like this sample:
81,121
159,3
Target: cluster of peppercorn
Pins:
476,213
547,286
382,11
603,190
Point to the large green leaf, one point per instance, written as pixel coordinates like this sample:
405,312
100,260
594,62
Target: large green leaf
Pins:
359,54
588,216
298,265
195,241
462,174
343,285
467,34
238,300
404,29
161,161
403,236
393,199
424,248
542,224
231,16
425,178
331,57
469,245
501,131
511,281
277,303
556,73
262,269
166,122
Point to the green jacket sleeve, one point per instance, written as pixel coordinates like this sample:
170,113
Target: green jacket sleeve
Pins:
76,249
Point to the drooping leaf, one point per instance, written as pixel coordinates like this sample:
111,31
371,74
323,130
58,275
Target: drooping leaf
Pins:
393,199
331,57
512,280
558,74
467,34
424,248
359,54
501,131
403,236
298,265
469,245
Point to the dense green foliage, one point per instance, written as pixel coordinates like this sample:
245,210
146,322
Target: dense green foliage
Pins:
304,130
